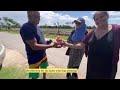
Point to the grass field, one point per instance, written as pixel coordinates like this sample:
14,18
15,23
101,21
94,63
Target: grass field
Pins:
10,31
13,73
21,73
46,31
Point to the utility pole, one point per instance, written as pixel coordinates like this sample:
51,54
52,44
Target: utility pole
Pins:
58,28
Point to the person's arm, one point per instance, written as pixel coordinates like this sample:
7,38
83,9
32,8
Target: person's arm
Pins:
29,37
79,45
117,34
75,46
35,46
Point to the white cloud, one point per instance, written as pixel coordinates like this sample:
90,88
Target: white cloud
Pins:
49,17
114,16
86,18
19,16
114,13
117,18
89,21
93,12
111,13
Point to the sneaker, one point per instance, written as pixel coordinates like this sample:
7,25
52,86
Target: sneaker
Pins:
69,77
73,77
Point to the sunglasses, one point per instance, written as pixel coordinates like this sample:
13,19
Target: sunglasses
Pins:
78,23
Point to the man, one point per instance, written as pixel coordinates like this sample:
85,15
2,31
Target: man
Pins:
35,43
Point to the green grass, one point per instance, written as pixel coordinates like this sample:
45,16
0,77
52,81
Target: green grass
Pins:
21,73
13,73
12,31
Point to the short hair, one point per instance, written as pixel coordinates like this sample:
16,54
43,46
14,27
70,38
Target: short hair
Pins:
104,12
31,13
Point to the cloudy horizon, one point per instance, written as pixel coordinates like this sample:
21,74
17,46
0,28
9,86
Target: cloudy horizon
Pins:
52,17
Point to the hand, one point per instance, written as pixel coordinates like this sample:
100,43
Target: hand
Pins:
49,41
57,44
64,43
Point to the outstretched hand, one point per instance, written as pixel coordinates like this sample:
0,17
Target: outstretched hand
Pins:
57,44
60,44
64,43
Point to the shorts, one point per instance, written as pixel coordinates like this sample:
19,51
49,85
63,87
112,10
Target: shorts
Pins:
41,64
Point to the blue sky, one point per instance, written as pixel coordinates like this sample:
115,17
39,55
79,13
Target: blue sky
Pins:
51,17
75,13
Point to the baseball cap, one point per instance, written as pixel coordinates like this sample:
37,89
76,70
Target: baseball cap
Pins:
78,20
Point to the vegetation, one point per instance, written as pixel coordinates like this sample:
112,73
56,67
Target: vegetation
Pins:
47,35
8,23
11,26
21,73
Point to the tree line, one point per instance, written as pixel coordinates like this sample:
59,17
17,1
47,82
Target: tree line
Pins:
64,27
8,23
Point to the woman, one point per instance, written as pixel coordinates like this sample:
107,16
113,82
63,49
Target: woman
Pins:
103,48
75,55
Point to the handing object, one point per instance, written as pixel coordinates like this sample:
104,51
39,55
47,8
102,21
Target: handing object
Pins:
49,41
59,40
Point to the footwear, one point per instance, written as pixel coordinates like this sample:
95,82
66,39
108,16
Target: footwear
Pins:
74,76
68,76
44,78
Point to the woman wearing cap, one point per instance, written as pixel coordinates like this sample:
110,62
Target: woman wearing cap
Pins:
75,55
104,44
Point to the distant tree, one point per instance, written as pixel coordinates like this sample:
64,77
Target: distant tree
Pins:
89,27
9,23
55,25
93,27
17,25
6,23
0,23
